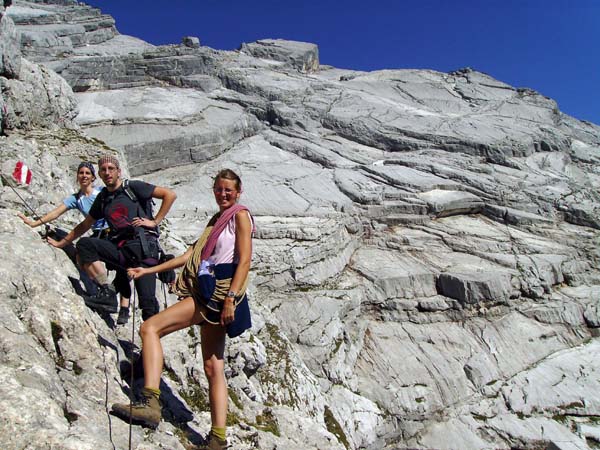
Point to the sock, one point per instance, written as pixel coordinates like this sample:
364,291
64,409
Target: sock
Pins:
125,307
101,279
219,432
152,391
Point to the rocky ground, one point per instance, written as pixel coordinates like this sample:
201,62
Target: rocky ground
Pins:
425,270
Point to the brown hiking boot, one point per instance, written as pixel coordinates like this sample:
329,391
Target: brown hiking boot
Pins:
213,443
146,412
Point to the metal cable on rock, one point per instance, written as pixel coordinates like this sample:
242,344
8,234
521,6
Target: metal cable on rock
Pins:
131,344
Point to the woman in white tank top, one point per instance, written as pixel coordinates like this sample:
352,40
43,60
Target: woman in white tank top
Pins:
223,252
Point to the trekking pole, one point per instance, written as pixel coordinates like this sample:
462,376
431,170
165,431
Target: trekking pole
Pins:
164,294
131,305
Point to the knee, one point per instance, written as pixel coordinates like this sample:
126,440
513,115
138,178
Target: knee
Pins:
148,329
213,369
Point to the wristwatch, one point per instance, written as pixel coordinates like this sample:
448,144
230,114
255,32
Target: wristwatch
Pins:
231,294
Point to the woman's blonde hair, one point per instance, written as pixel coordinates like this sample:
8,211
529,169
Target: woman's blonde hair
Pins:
228,174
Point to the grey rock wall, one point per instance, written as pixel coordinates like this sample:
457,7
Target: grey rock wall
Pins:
53,29
425,270
10,49
302,56
37,98
31,96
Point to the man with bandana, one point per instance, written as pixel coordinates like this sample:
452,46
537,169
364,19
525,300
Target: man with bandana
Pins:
132,239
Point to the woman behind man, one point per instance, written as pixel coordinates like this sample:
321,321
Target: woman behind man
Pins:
83,200
212,289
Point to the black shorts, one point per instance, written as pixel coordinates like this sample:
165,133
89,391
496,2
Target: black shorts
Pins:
94,249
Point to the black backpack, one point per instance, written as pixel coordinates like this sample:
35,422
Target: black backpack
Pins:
168,276
146,207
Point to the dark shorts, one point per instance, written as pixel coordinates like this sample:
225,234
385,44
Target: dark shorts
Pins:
212,306
93,249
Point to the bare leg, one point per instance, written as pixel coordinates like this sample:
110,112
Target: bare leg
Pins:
94,269
213,348
182,314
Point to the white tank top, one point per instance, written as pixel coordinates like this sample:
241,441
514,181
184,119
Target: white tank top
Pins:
225,249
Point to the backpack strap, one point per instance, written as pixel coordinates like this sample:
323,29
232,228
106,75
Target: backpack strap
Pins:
141,235
139,231
146,208
129,191
131,194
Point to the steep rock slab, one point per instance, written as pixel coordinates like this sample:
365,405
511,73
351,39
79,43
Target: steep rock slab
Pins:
427,380
358,187
300,145
379,109
514,216
37,98
452,434
302,56
407,178
580,210
394,274
514,343
476,287
49,31
276,183
503,431
447,203
274,85
308,261
162,127
51,354
10,50
418,379
119,45
361,419
123,62
562,385
321,333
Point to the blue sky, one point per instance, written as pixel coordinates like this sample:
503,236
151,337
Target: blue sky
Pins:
552,46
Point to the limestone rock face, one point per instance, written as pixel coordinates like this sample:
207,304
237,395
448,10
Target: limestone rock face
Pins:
425,268
38,98
31,96
10,50
299,55
52,29
181,126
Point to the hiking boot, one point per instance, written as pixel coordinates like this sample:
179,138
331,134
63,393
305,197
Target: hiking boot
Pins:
104,300
123,316
214,443
146,412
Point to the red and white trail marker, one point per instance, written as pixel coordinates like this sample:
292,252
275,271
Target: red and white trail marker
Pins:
22,174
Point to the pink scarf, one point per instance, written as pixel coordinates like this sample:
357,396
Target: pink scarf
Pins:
218,227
